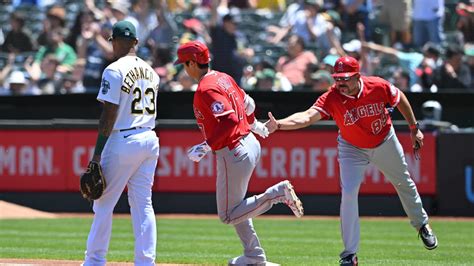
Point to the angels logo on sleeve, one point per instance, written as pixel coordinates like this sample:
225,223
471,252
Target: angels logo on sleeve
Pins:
217,107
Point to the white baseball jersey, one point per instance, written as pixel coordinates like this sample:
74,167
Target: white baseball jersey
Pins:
132,84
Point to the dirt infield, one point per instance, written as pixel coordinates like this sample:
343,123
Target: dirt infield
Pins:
14,211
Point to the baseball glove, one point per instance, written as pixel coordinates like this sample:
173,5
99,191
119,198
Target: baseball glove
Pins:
92,182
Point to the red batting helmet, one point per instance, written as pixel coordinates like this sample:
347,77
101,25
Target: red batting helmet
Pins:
346,66
193,51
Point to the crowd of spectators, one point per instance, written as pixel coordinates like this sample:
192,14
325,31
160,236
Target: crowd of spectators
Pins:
60,46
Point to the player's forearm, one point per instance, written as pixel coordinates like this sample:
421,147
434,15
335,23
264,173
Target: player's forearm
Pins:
295,121
405,109
107,118
106,125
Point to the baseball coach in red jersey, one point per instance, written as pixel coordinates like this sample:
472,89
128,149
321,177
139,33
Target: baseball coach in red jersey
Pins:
359,106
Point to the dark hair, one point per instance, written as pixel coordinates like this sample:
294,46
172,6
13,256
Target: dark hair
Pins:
431,48
453,49
404,74
299,40
227,17
18,16
201,66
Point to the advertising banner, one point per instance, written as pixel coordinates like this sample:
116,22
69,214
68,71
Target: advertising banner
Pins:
52,160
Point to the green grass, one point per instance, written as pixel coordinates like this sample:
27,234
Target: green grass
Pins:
207,241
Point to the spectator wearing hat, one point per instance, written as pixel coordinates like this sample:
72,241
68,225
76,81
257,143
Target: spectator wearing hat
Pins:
120,11
321,81
55,18
18,85
269,80
17,39
454,73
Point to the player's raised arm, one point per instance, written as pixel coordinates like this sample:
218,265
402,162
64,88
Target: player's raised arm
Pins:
294,121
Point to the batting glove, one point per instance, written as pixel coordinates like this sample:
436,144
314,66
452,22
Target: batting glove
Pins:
197,152
260,129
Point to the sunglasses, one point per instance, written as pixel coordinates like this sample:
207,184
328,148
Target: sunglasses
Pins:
342,78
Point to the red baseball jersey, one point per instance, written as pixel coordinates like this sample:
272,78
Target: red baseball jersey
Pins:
363,120
216,97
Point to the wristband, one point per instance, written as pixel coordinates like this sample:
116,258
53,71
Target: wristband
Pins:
278,126
100,143
414,126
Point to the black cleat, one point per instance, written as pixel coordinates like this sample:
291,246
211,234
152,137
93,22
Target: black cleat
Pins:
349,260
428,237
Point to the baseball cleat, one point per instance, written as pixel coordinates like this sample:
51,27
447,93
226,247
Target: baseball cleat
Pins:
247,261
349,260
428,237
292,200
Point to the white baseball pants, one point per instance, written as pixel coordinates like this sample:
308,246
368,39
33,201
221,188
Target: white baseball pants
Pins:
128,159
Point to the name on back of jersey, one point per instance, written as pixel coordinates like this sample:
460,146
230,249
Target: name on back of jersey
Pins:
135,74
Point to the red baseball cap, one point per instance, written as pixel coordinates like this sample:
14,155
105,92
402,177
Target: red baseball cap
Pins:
346,66
193,51
192,23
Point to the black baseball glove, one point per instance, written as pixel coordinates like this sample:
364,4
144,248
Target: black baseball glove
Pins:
92,182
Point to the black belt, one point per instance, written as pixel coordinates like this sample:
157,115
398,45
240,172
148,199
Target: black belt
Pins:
132,128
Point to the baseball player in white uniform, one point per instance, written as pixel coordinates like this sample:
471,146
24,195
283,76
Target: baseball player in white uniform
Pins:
127,148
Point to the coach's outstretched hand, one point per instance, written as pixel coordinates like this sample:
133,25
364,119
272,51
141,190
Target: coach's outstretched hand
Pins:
272,123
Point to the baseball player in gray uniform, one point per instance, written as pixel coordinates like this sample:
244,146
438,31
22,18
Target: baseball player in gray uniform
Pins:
127,148
366,135
225,115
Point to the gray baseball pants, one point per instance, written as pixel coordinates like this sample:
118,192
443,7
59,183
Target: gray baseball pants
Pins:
390,160
234,169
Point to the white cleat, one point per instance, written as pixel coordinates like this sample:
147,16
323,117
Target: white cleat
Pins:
292,200
246,261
